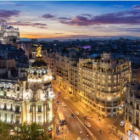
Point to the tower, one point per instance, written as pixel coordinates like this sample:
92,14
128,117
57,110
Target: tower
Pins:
4,25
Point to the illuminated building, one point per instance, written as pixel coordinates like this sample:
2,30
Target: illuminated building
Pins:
132,111
8,34
98,82
102,82
28,100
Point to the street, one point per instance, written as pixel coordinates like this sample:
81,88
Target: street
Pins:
74,125
77,124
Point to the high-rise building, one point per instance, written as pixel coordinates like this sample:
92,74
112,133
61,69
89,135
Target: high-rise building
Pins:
9,34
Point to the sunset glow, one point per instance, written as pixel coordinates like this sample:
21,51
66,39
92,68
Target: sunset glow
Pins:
63,20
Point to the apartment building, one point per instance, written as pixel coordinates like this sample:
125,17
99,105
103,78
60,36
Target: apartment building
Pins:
64,69
99,82
102,82
132,111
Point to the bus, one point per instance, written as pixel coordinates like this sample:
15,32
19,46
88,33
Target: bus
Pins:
61,118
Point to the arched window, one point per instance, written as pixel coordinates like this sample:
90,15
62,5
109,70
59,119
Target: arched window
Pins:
17,88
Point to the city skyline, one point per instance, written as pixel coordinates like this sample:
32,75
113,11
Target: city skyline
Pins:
72,20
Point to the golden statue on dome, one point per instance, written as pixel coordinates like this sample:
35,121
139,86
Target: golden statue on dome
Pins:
38,54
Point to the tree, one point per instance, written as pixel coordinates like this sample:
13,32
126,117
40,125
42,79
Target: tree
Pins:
23,132
4,131
30,132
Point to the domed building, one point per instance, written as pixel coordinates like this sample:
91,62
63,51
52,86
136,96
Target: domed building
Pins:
28,99
39,93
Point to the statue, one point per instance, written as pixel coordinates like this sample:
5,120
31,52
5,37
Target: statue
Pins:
38,51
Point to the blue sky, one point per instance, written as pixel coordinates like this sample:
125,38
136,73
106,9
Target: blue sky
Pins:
72,19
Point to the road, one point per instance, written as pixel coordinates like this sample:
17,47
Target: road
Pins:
74,125
77,124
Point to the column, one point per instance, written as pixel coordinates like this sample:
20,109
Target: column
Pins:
24,112
26,109
46,113
32,113
35,114
44,119
22,120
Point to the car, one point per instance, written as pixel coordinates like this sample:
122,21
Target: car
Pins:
76,112
63,104
63,122
72,115
122,123
86,117
87,124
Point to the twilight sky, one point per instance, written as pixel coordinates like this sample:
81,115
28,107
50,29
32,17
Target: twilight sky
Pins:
62,20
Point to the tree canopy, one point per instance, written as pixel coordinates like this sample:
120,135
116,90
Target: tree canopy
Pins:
23,132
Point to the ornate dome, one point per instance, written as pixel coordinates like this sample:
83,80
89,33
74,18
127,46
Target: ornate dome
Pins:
39,62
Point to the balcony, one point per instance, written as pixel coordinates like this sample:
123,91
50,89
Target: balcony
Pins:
39,111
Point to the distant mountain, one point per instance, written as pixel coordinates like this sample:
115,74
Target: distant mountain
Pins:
25,39
83,38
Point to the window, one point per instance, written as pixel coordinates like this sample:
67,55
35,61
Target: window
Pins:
130,119
39,108
5,117
11,107
137,114
126,109
114,110
108,110
5,107
11,117
17,109
137,122
17,88
137,107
